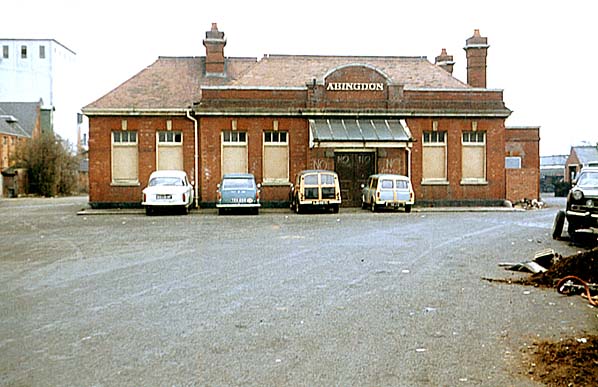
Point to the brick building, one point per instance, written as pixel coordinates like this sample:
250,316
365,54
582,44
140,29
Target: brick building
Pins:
275,116
19,122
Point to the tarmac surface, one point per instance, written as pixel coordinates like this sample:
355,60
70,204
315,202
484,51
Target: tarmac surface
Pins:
279,299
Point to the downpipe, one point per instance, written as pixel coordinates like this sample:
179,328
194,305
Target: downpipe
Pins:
196,157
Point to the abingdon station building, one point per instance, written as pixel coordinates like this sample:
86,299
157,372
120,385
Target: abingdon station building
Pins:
273,117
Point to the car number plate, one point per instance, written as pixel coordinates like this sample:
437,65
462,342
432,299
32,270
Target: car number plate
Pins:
163,197
239,200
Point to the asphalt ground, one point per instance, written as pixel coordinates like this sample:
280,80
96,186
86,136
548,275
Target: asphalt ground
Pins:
279,299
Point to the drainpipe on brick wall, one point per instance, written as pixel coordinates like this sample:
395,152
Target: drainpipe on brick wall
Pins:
196,158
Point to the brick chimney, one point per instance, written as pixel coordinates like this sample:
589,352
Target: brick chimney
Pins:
476,49
214,43
445,61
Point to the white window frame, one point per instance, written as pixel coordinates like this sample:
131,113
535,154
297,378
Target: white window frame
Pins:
474,139
275,139
233,138
169,140
126,139
434,140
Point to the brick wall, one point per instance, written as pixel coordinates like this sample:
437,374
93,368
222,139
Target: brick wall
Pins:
522,184
210,155
101,189
455,191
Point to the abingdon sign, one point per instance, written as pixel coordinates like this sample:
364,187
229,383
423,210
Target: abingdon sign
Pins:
355,86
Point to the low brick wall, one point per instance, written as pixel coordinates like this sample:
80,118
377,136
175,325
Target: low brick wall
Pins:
523,183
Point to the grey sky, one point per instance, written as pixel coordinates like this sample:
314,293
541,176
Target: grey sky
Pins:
541,53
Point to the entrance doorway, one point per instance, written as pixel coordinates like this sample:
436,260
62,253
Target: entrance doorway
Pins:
353,169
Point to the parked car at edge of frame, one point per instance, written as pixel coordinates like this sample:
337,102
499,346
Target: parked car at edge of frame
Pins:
582,201
316,189
238,191
168,189
387,190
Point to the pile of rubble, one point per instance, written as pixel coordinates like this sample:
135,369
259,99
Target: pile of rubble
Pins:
574,274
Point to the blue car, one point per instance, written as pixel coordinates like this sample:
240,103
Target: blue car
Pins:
238,191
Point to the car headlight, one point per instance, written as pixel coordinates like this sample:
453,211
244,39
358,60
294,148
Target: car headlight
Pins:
577,195
590,203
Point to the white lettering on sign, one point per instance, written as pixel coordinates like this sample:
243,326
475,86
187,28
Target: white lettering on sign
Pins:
355,86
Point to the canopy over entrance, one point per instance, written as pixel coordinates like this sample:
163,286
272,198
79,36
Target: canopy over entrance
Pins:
367,133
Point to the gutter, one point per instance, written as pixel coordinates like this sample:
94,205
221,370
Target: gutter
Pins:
195,158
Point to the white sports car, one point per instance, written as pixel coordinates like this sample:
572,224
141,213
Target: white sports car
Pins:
168,189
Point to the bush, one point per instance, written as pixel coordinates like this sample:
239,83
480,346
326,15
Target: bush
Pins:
52,168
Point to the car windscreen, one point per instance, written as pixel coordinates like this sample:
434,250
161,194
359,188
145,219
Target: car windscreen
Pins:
164,180
237,183
588,179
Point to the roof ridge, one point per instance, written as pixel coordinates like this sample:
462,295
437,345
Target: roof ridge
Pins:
307,56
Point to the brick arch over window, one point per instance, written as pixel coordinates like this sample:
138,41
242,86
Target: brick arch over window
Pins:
351,66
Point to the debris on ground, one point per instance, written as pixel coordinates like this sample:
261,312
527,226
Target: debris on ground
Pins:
528,204
570,362
583,265
542,260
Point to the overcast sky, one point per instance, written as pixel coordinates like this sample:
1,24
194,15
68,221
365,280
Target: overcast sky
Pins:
542,54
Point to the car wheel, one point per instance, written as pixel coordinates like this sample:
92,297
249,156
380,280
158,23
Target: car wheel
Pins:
220,211
373,205
559,222
408,208
335,209
298,208
149,211
364,205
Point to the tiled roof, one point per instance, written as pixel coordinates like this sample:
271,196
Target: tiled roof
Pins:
297,70
25,114
586,154
559,160
168,83
175,82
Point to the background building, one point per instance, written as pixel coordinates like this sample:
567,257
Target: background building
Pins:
579,157
42,69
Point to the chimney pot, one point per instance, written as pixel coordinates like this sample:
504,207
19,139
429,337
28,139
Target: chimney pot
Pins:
214,43
445,61
476,48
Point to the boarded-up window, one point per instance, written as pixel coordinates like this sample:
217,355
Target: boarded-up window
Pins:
473,160
276,156
170,150
124,157
234,152
434,156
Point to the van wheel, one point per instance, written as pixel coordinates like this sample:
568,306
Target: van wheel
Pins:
557,226
408,208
